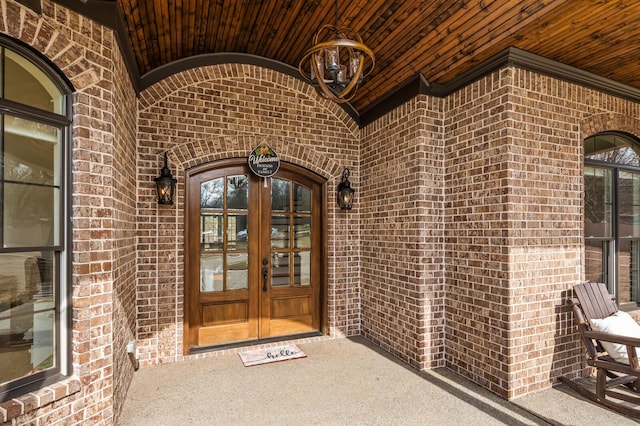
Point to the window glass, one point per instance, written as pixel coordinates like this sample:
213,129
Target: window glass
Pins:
27,314
30,215
31,206
27,84
596,261
32,188
598,203
612,148
629,204
31,151
612,215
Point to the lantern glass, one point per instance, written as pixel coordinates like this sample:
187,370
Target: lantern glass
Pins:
166,188
345,192
345,198
165,184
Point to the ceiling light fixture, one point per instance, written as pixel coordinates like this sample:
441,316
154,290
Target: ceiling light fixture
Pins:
337,66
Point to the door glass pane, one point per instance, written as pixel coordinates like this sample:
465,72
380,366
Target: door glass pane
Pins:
237,233
27,314
280,190
279,232
302,268
237,271
27,84
237,192
598,203
212,226
225,233
211,266
31,215
302,232
302,199
280,269
212,194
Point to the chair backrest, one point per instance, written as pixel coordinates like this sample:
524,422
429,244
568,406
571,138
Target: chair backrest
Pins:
595,300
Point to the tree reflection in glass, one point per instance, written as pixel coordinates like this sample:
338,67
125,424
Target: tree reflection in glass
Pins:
212,194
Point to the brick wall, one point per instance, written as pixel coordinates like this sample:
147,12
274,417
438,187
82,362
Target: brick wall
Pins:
102,216
403,232
514,165
477,144
124,181
224,111
465,238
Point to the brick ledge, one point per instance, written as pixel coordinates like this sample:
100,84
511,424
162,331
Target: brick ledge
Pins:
23,404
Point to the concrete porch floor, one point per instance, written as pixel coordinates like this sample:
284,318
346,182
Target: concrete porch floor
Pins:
341,382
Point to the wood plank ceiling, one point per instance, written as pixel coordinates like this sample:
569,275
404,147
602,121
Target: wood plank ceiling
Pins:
439,38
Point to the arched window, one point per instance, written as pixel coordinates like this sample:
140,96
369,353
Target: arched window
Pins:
35,113
612,214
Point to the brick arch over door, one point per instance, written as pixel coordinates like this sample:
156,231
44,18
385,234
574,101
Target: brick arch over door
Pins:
609,122
195,153
301,93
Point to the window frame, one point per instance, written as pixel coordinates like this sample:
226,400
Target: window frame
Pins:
614,241
63,249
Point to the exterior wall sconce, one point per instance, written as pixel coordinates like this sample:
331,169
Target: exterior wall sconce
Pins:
165,184
345,192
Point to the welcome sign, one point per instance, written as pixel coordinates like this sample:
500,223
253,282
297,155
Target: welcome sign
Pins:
263,161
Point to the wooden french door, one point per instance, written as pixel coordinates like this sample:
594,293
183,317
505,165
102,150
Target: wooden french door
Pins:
253,254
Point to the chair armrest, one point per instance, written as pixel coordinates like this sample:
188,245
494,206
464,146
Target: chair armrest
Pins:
631,343
613,338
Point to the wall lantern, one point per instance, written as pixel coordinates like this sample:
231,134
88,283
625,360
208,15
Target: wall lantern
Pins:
165,184
345,192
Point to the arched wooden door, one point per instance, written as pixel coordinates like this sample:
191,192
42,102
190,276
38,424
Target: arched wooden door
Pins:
253,256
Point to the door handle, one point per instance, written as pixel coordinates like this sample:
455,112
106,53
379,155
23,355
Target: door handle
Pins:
265,272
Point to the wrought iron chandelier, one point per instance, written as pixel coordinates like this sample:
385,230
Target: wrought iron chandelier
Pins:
338,65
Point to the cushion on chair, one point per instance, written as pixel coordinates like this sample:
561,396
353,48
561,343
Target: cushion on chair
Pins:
620,323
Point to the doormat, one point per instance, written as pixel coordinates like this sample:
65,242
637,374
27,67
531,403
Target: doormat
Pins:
268,355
